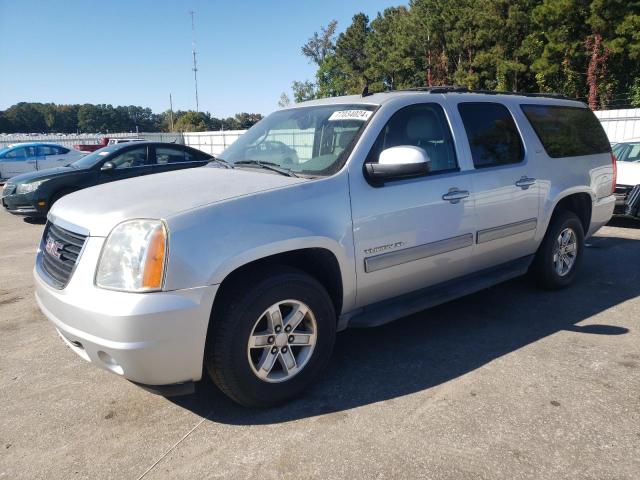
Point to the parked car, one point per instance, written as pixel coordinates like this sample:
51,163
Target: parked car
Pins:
628,183
92,147
33,194
29,157
249,268
115,141
274,151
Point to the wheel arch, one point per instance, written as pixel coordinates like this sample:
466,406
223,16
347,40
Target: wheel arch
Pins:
318,262
579,202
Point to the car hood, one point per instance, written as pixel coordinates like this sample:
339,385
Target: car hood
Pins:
98,209
42,174
628,173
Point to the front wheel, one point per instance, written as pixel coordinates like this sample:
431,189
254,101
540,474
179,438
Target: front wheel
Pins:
559,256
270,340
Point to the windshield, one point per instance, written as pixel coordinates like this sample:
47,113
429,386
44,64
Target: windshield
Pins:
91,159
308,140
627,151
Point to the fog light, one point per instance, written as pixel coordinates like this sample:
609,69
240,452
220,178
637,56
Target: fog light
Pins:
110,363
42,203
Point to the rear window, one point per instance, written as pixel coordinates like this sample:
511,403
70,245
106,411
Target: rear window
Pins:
567,131
492,133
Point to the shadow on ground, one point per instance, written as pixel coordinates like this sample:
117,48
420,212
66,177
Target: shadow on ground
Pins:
35,220
624,222
443,343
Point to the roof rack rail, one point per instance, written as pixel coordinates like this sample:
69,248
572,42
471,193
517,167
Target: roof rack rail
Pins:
460,89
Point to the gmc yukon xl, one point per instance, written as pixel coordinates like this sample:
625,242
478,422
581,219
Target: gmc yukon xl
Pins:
382,206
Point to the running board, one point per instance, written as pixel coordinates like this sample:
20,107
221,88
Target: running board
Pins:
389,310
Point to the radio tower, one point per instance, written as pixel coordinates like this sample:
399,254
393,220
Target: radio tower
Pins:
193,51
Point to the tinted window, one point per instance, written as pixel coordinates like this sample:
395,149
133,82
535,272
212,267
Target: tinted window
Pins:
51,150
135,157
422,125
492,133
166,155
191,155
567,131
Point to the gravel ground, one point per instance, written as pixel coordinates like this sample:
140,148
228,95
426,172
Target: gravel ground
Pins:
510,383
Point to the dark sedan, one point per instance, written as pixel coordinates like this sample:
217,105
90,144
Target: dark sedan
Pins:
33,194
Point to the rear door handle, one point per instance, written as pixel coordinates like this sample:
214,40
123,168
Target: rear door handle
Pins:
31,162
525,182
454,195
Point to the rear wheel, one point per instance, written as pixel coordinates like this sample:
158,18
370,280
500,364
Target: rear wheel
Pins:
269,341
559,256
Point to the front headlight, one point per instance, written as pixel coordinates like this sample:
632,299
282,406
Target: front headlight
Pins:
133,257
29,187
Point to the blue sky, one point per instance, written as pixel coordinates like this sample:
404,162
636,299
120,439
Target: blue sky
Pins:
137,52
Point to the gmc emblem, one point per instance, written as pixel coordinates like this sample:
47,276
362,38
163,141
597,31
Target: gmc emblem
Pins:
53,248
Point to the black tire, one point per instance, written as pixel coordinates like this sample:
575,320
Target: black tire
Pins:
543,268
231,324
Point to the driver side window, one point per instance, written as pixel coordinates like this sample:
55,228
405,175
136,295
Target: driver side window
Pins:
421,125
136,157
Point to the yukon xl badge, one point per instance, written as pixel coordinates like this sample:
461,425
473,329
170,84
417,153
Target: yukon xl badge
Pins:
382,248
53,248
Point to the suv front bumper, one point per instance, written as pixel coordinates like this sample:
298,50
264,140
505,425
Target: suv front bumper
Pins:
154,339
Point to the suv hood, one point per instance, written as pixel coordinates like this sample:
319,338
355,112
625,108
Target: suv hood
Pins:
99,209
628,173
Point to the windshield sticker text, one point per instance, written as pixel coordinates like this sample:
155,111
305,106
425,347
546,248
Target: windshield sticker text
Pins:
361,115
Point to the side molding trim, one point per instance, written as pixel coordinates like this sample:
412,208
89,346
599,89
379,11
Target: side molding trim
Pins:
406,255
502,231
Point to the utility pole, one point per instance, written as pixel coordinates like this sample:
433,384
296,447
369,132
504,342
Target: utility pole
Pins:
171,112
193,51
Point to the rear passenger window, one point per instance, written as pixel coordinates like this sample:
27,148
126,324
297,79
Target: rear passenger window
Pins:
567,131
492,133
169,155
421,125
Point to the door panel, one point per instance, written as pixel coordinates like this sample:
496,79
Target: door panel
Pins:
19,160
413,233
506,191
50,156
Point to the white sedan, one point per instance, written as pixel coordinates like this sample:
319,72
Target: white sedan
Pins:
28,157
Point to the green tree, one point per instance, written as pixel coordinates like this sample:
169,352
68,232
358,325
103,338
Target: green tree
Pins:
191,121
303,91
350,53
389,62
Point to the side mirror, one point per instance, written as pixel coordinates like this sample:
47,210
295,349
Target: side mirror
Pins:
399,162
107,166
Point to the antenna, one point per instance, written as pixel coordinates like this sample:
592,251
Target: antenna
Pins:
193,51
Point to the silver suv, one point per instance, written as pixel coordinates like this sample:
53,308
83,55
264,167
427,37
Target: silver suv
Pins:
384,205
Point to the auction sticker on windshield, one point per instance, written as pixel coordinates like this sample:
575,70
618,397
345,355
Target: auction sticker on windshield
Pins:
362,115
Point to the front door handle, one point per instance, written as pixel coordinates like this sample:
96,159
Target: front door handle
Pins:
454,195
525,182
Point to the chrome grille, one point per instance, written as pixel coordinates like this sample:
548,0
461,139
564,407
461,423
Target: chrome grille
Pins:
60,251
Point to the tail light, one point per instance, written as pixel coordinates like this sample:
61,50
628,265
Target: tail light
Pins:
615,173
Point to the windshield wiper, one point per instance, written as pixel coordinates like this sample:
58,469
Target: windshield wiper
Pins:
221,161
274,167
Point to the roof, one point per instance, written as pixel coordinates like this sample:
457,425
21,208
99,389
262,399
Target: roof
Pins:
34,144
459,92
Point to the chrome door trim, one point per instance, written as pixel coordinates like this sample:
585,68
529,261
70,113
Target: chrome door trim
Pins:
406,255
507,230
